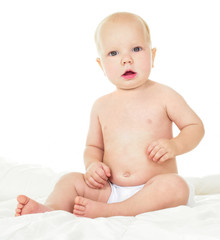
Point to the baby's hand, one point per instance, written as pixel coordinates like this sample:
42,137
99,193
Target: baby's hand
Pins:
97,175
161,150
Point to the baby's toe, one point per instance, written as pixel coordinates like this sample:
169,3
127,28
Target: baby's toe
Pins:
22,199
80,201
79,207
18,210
78,213
19,206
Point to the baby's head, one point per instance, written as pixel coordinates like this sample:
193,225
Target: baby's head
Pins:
124,47
120,17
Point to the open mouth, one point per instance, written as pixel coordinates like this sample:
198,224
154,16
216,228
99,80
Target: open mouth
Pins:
129,74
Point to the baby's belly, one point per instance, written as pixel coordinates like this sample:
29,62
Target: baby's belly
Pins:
130,165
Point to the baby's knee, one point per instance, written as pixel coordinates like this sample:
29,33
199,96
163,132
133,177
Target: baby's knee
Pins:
174,188
70,178
178,189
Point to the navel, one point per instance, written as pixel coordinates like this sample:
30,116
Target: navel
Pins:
126,174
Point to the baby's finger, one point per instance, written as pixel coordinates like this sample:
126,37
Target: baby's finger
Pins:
159,154
107,170
151,146
88,183
94,183
154,151
98,179
164,158
102,174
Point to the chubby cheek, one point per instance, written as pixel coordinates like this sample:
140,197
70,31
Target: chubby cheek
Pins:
110,70
146,65
148,69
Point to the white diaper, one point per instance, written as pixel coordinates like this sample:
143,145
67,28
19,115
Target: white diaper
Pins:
191,200
120,193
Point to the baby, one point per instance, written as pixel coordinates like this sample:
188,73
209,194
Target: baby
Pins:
130,150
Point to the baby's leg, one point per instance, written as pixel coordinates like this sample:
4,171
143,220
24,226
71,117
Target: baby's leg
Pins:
63,196
162,191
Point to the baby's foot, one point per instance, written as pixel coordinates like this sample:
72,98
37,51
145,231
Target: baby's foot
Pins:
28,206
88,208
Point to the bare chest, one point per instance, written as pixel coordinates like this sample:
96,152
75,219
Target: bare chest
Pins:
139,117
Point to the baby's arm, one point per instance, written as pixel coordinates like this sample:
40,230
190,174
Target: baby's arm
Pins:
190,126
97,173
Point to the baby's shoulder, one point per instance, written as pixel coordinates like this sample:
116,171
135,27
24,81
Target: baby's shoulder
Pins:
103,99
164,90
101,102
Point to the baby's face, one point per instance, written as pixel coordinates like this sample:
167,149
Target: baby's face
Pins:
125,52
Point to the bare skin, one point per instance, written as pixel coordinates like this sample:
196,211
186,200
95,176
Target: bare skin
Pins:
130,140
63,197
27,206
84,201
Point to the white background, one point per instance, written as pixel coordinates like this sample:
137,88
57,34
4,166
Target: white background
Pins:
49,78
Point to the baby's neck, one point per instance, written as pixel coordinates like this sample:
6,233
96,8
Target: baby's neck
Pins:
136,90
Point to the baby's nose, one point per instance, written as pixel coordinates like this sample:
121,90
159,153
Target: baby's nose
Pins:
127,60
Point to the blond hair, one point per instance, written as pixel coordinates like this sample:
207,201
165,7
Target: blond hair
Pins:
116,17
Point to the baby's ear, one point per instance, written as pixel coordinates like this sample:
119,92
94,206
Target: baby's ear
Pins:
98,60
154,50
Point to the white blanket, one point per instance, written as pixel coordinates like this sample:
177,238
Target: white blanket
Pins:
200,222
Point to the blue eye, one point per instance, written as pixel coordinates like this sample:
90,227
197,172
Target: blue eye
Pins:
137,49
113,53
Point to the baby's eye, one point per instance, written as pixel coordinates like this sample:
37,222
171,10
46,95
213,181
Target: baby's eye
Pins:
113,53
137,49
